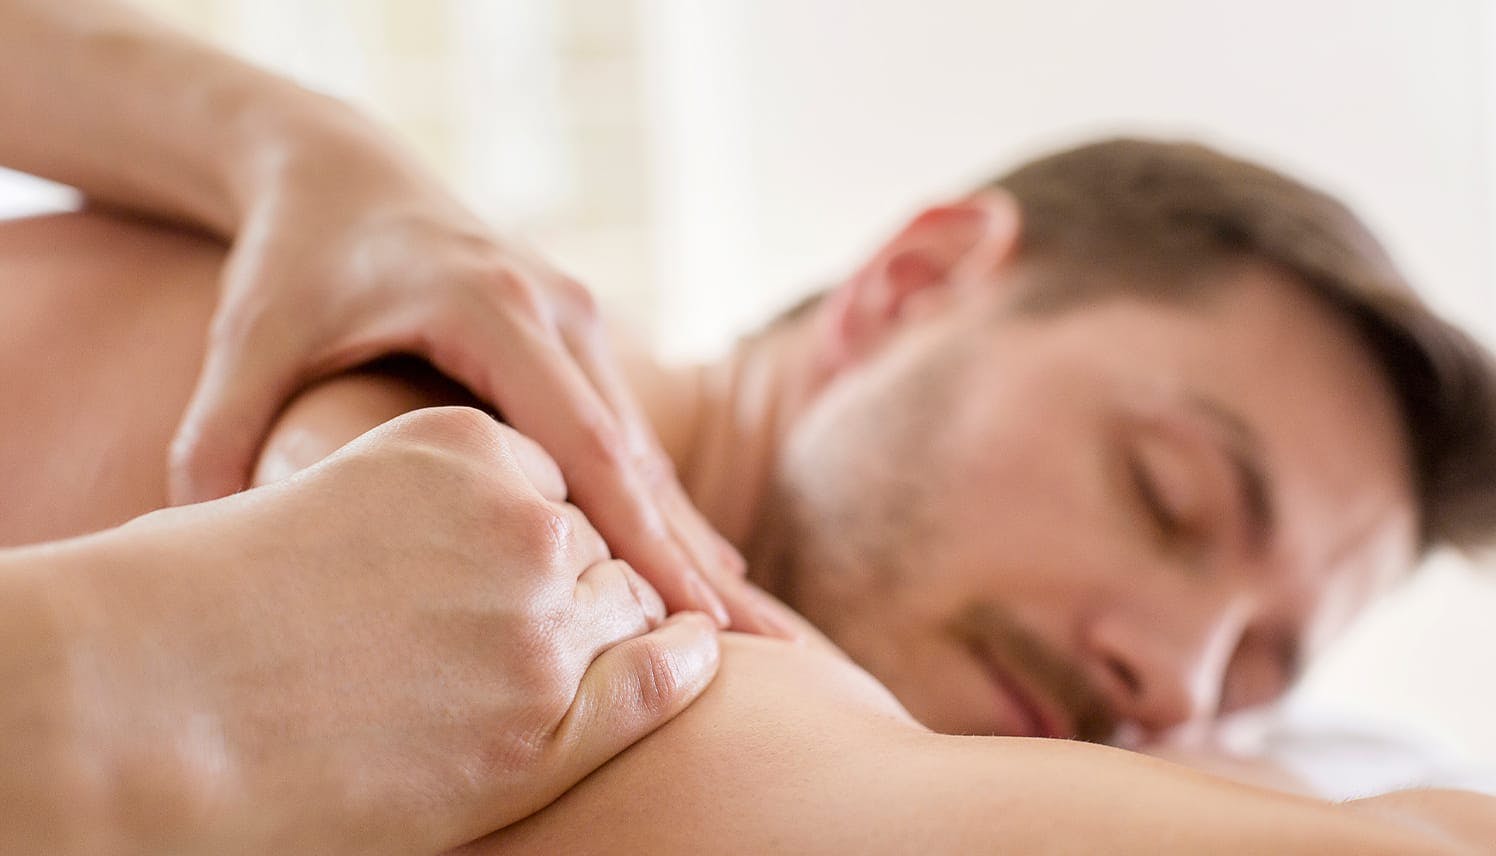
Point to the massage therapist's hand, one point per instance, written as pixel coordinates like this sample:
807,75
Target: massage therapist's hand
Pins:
344,249
349,251
398,650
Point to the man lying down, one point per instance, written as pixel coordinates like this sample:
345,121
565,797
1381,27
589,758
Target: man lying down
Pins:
1105,450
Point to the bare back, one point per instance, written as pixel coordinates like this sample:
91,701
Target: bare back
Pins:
105,322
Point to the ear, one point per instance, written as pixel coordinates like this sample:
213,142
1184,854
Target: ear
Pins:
944,252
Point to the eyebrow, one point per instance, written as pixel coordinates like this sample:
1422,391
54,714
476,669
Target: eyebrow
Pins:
1244,449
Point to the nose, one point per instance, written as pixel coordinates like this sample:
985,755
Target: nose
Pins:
1165,668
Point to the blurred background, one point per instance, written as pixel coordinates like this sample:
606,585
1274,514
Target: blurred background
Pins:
699,164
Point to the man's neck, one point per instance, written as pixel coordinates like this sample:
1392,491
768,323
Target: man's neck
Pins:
723,422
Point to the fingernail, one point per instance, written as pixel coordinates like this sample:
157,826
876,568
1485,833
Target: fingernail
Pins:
728,557
701,653
691,616
770,616
774,624
709,601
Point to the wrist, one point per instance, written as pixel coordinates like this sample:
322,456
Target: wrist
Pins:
287,141
185,119
233,134
275,129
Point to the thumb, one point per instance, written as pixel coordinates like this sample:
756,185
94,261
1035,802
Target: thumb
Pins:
242,386
635,687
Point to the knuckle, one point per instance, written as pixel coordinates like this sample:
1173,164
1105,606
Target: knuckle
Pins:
554,531
187,446
537,463
581,304
655,468
658,681
511,291
604,444
644,596
583,534
461,431
438,323
542,532
239,322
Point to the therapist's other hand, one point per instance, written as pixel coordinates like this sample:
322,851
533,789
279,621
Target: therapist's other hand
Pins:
347,251
402,648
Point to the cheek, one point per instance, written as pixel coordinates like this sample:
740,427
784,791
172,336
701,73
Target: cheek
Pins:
1033,500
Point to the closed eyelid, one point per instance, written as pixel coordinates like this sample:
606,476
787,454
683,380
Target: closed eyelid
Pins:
1147,489
1243,448
1167,480
1208,471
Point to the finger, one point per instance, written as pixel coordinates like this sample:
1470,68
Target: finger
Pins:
539,467
725,558
508,456
546,396
243,383
635,687
585,548
749,609
747,614
755,611
711,552
615,603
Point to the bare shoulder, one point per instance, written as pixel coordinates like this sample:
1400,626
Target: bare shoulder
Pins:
796,750
769,683
770,729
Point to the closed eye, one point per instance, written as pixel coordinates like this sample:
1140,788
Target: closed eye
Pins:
1145,485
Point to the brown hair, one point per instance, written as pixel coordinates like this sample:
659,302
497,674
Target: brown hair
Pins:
1149,217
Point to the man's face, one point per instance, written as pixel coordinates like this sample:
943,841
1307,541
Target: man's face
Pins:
1127,515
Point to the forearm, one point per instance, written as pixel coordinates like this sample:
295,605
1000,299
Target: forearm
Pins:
52,796
142,117
98,755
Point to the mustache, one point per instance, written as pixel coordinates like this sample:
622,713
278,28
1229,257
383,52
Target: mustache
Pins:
999,635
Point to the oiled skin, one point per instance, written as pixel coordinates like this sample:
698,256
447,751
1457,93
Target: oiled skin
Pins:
107,319
103,337
791,750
